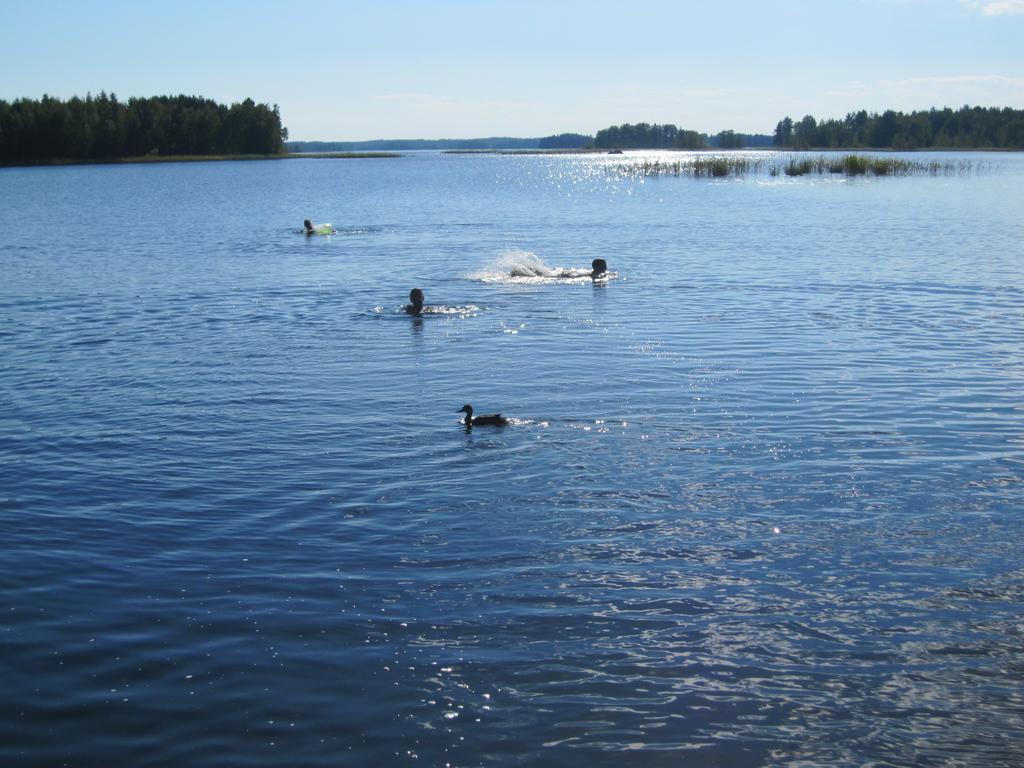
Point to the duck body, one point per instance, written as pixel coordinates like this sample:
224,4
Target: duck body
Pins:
486,420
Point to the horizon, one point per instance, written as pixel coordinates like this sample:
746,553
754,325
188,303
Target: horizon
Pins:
498,137
364,73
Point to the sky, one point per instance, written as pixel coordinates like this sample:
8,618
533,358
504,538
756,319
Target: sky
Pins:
351,71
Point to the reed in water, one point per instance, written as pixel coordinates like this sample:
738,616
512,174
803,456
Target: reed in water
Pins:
728,166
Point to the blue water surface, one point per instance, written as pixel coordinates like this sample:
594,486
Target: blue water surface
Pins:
760,504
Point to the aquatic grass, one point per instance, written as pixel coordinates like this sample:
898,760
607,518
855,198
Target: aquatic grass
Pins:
800,167
700,166
721,167
851,165
728,166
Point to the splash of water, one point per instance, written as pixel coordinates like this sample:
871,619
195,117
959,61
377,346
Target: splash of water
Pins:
518,266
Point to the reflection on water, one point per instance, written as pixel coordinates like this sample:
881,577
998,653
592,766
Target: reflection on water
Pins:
758,505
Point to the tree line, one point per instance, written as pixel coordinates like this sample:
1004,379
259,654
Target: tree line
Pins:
668,136
103,128
565,141
964,128
648,136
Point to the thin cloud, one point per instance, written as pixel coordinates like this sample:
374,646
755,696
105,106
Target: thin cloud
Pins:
639,94
920,93
402,97
996,7
432,102
1013,82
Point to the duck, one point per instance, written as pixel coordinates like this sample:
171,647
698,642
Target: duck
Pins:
490,419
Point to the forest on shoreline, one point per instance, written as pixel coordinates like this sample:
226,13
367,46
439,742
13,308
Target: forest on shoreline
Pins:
964,128
102,128
668,136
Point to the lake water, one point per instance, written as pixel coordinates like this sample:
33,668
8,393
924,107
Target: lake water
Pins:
760,503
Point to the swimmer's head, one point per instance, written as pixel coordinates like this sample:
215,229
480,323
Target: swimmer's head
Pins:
415,305
307,224
600,266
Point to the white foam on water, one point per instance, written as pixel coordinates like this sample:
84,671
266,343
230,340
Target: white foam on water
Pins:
516,265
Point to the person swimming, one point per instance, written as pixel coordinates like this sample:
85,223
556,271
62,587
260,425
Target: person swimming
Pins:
489,419
417,308
415,305
309,228
599,267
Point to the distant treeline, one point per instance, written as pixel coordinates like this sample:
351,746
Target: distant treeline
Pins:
562,141
668,136
103,128
566,141
965,128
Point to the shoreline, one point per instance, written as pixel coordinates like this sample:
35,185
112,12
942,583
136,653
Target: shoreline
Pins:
147,159
717,151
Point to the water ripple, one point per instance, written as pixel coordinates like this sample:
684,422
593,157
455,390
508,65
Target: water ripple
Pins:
758,505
